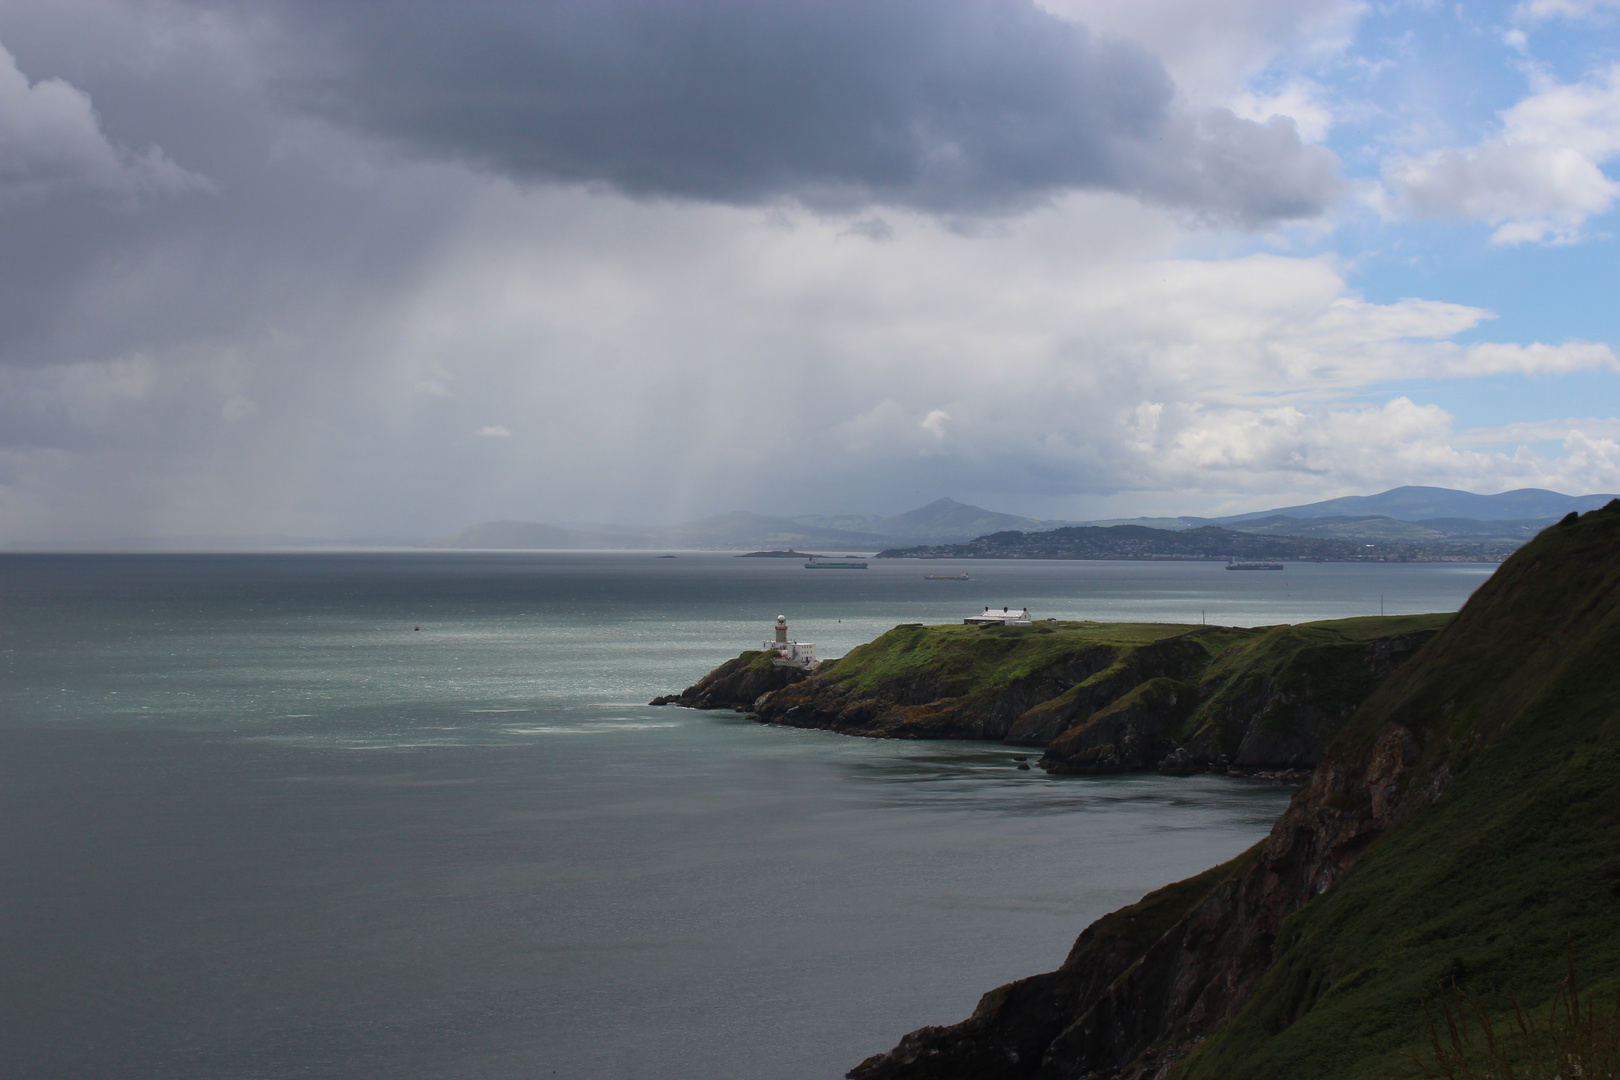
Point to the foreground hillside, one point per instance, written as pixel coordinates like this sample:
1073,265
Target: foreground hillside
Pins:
1463,827
1100,697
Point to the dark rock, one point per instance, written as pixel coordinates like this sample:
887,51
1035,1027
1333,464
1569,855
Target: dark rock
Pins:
737,684
1180,763
1132,733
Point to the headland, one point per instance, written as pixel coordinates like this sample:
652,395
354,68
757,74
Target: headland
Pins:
1458,835
1098,697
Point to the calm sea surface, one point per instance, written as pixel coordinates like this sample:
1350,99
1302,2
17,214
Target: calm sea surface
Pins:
254,823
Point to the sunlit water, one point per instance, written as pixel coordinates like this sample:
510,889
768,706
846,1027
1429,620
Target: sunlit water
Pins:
257,824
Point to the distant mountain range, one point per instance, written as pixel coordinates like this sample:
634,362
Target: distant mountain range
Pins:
1404,515
944,521
1429,503
1401,515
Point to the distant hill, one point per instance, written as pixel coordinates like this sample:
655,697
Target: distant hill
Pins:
1390,529
943,521
531,535
1423,503
740,529
1402,515
1406,514
727,532
1204,542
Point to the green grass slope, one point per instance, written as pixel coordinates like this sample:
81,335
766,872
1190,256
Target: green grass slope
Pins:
980,658
1513,715
1284,694
976,682
1112,697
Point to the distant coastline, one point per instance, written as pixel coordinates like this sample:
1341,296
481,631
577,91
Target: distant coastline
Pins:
1207,543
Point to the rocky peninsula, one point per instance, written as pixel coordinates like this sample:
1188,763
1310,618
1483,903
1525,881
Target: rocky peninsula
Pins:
1098,697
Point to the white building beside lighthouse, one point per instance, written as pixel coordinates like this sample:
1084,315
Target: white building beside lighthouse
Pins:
790,653
1005,617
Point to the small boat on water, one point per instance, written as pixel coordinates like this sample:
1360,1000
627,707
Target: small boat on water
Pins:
1254,566
816,563
963,576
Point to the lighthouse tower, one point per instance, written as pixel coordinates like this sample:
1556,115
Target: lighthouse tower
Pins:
790,653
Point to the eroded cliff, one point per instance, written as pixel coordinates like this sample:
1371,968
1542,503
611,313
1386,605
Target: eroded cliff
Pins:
735,684
1463,826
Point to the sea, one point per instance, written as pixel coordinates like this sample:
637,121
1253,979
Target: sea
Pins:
408,815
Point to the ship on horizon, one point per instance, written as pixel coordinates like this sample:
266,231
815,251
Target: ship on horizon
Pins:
816,562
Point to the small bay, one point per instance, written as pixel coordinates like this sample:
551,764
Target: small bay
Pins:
378,815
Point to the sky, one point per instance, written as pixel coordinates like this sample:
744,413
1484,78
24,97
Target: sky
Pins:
358,270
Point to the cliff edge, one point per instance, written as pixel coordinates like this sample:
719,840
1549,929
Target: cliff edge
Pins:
1463,826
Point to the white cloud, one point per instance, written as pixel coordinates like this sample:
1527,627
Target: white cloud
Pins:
1591,464
1213,50
1370,448
50,139
372,314
1564,9
1061,356
1502,358
1300,100
1539,431
1539,177
93,393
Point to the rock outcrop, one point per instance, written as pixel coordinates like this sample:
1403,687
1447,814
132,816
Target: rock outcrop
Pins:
736,684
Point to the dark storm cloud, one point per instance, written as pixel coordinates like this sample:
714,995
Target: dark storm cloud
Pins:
955,106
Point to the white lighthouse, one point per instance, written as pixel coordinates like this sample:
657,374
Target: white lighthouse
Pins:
790,653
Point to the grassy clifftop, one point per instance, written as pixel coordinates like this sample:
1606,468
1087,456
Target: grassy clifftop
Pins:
1108,697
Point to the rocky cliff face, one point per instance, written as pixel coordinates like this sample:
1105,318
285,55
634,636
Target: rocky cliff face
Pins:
1131,1006
1506,724
736,684
1274,702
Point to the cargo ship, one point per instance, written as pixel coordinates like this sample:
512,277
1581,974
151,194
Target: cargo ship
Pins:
947,577
1254,566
